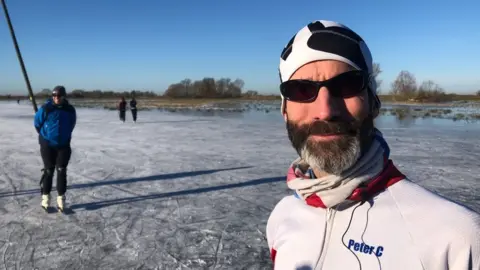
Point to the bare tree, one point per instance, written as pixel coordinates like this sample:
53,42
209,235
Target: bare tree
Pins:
235,88
175,90
239,83
430,91
376,71
431,87
187,84
405,85
222,86
206,88
251,93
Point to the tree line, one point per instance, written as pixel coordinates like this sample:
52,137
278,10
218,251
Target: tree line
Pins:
205,88
406,88
403,88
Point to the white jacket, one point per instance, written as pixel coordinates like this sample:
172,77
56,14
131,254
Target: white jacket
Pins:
405,227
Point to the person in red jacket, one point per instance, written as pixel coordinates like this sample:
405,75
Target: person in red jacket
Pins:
122,107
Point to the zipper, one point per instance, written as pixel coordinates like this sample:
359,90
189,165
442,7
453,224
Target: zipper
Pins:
329,218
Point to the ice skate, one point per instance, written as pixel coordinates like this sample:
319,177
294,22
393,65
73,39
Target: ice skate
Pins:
61,203
45,201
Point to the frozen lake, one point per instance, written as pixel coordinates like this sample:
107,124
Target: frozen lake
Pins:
186,190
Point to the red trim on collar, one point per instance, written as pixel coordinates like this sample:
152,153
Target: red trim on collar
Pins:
273,254
389,176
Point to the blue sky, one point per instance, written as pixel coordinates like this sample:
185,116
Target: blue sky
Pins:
149,44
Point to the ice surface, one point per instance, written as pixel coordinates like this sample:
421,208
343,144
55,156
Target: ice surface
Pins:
178,191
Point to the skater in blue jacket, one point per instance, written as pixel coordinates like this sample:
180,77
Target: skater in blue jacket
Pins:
55,122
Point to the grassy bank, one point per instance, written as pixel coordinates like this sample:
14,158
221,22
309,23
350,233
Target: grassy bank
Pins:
450,97
418,112
270,105
161,102
467,110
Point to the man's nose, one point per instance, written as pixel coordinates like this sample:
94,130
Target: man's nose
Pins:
325,107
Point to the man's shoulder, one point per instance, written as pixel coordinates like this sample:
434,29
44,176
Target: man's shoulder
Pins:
412,194
442,230
48,106
287,207
429,213
72,108
281,208
287,202
280,212
68,107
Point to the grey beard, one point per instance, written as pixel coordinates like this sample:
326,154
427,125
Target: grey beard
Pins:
335,156
332,157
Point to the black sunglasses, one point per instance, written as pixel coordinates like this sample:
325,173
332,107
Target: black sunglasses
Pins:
345,85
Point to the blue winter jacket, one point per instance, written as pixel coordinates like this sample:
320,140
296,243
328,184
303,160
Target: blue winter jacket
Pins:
55,122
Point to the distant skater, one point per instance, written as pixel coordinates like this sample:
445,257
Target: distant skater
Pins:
122,107
133,108
55,122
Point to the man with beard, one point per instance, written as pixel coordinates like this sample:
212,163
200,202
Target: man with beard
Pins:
351,208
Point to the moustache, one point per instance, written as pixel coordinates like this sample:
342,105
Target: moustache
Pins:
333,128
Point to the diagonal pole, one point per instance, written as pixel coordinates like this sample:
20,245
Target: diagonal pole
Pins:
19,55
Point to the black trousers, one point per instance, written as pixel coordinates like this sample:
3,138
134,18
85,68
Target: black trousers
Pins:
134,114
122,116
54,157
